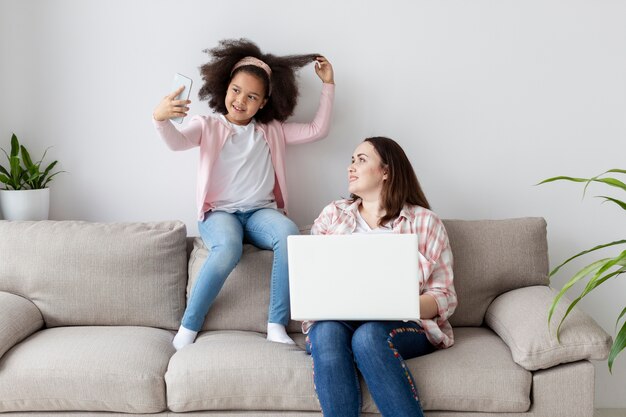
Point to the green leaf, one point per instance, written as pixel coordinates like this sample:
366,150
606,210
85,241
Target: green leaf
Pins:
6,154
598,176
613,182
28,163
617,242
618,346
15,145
4,179
46,181
595,284
610,181
617,170
620,317
614,200
577,277
16,168
561,178
3,170
49,168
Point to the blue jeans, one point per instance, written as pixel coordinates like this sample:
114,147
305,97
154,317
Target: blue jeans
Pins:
223,234
378,350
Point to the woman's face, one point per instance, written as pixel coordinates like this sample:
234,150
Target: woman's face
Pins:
244,98
366,173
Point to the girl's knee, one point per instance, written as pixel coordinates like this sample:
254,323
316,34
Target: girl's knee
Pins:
286,228
225,254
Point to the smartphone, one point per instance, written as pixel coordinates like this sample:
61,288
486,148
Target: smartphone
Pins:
180,80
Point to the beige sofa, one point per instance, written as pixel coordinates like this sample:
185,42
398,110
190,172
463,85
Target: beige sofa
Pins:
88,312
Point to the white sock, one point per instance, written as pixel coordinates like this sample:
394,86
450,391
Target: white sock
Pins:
277,333
183,338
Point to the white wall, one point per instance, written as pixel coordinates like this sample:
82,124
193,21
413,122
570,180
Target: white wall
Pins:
486,97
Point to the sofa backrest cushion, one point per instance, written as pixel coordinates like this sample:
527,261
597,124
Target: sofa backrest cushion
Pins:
80,273
492,257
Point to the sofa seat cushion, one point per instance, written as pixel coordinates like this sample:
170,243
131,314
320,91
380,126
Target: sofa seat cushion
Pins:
476,374
237,370
233,370
116,369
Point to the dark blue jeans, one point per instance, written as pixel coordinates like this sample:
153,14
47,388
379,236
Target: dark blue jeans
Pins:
378,350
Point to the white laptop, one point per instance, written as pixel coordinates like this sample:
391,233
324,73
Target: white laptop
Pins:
354,277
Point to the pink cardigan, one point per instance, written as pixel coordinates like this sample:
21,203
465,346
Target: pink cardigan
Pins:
210,134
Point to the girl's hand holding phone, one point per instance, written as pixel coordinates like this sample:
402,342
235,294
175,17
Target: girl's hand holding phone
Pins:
170,107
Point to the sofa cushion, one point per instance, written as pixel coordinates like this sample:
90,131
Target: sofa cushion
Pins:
117,369
242,371
19,318
492,257
520,318
97,274
234,370
242,303
475,374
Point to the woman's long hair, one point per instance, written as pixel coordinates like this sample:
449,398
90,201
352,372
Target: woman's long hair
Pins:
401,186
217,74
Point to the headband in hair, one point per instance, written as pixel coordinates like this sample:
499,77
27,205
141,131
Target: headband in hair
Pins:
250,60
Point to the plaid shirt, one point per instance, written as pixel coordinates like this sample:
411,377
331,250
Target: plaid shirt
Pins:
435,258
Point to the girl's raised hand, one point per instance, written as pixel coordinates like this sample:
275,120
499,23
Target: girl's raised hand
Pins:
324,70
170,108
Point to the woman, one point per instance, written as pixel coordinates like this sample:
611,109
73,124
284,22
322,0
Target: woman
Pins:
385,198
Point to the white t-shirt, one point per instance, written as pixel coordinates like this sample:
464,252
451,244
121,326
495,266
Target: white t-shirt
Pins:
243,176
363,227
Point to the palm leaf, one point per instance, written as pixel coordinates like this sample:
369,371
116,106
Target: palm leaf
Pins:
561,178
614,170
617,170
618,346
613,182
596,283
617,242
614,200
610,181
620,317
577,277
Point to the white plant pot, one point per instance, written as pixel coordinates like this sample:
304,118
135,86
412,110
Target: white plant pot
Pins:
25,204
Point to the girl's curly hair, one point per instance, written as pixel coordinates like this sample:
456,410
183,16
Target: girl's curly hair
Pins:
217,75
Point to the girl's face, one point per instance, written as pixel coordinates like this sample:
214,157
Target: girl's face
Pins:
366,173
245,96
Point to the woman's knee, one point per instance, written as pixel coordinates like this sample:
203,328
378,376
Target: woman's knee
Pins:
328,336
371,338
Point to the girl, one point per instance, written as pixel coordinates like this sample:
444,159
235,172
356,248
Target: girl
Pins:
242,191
385,198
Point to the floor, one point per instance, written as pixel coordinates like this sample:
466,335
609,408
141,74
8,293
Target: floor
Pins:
610,412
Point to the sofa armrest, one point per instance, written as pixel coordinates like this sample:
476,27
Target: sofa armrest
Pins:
19,318
520,318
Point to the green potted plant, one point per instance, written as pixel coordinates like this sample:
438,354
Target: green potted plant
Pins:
26,195
601,270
